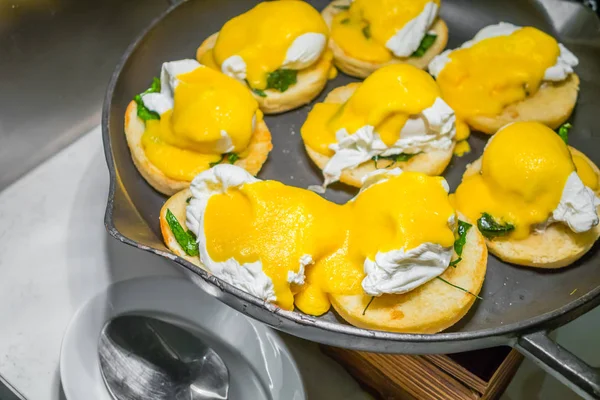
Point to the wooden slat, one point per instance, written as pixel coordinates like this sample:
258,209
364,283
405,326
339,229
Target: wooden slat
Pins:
414,375
422,379
370,377
390,376
503,376
458,371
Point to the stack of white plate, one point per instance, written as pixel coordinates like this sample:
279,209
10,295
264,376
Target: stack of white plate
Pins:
259,363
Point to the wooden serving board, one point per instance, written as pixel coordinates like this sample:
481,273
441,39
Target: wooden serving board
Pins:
479,374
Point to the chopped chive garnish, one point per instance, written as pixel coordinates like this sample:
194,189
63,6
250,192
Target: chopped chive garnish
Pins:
368,304
458,287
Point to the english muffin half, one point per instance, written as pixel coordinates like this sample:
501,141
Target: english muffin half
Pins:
552,105
360,68
429,308
556,247
251,159
491,80
310,82
430,163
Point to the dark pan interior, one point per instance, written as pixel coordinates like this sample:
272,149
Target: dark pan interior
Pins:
510,294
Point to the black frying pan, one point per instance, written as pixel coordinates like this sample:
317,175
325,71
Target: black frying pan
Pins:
520,304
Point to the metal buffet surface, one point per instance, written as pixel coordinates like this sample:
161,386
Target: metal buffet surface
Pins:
56,57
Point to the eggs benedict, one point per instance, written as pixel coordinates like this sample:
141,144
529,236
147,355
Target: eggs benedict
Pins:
192,118
369,34
395,118
278,49
398,241
534,198
508,73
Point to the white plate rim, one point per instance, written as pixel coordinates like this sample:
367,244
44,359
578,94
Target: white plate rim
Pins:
81,379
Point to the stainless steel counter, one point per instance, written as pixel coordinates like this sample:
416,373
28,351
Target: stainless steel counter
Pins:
56,57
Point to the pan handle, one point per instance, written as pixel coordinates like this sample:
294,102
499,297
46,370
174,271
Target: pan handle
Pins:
561,363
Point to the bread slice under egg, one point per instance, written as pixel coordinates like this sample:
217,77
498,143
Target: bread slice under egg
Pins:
251,159
558,246
429,308
431,163
551,105
310,83
360,68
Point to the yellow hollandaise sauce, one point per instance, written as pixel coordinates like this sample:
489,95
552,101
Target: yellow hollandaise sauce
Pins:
462,133
463,147
462,130
524,169
278,224
364,29
586,172
187,138
208,59
496,72
385,100
263,35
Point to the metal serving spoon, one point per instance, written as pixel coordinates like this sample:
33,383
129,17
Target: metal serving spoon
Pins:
144,358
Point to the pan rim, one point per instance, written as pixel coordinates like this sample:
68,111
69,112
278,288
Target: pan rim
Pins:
547,321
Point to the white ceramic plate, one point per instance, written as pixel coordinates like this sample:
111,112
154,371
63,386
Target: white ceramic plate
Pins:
177,300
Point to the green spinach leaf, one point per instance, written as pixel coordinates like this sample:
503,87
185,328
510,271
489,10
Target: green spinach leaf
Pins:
231,158
490,228
281,79
186,240
142,112
459,243
426,43
563,131
258,92
154,86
